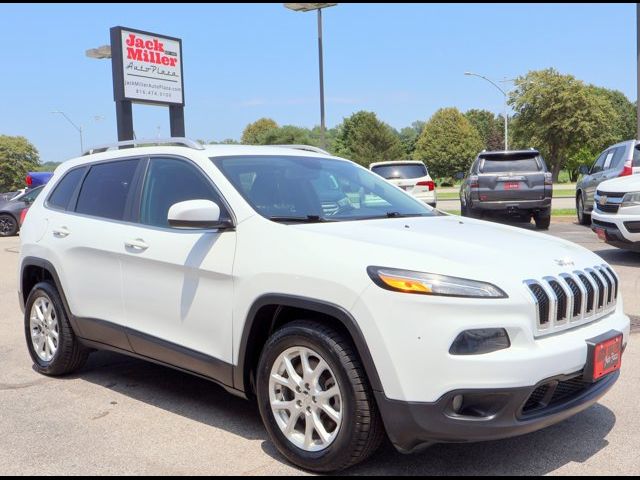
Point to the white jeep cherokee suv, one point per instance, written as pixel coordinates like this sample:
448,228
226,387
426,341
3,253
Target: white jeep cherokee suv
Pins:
616,212
381,316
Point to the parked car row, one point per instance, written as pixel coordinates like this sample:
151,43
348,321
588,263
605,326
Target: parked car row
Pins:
12,211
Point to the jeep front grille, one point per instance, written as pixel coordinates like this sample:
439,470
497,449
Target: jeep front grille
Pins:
573,299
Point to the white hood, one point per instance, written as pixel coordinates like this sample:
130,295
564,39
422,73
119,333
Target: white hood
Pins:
455,246
621,185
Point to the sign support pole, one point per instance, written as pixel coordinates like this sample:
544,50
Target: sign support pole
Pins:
124,119
176,120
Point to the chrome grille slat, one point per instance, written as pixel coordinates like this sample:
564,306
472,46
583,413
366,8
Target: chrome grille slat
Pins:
572,299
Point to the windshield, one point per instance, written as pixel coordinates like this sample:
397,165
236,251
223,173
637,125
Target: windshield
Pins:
316,189
400,171
502,166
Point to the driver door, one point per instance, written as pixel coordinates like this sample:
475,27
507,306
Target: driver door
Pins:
178,284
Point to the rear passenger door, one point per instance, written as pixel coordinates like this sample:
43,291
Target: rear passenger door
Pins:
595,177
178,284
86,233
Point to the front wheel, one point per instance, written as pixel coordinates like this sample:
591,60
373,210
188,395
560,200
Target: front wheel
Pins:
315,400
583,217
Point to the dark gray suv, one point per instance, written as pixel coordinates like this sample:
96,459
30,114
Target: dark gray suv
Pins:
619,160
515,184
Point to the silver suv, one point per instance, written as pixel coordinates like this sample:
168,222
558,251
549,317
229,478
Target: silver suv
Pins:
619,160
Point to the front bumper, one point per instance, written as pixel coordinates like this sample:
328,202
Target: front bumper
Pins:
412,426
621,230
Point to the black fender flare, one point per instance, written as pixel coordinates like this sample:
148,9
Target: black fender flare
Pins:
319,306
48,266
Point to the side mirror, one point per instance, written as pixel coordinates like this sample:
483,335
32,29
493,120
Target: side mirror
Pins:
584,170
197,214
459,176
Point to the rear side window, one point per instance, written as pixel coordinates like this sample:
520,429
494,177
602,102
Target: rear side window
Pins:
170,181
66,188
400,171
619,158
106,189
636,157
503,166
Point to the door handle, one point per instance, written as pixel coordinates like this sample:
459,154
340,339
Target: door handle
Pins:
62,232
137,244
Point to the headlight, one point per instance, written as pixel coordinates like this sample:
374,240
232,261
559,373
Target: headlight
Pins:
631,199
407,281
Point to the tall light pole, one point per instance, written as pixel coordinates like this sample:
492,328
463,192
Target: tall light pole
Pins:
308,7
506,106
79,128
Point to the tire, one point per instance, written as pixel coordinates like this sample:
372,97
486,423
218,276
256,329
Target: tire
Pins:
583,217
67,354
463,211
8,225
543,222
360,432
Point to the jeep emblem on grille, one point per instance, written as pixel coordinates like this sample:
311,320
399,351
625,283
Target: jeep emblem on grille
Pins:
565,262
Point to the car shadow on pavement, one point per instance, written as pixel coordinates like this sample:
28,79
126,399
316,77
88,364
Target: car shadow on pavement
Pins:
575,440
176,392
620,258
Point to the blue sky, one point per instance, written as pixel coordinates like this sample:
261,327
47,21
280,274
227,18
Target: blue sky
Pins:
243,62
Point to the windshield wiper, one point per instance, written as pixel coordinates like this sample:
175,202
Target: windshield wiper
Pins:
404,215
306,219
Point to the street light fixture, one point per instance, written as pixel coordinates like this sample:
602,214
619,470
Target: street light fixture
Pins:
74,126
100,53
506,106
308,7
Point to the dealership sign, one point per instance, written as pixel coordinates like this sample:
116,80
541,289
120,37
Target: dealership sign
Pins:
147,68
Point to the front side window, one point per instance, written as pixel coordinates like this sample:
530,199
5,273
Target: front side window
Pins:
599,165
64,191
316,189
170,181
106,189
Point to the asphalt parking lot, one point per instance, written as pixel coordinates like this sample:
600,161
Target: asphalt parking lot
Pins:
124,416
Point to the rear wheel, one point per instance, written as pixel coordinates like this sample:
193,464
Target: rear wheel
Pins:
315,399
53,346
583,217
543,220
8,226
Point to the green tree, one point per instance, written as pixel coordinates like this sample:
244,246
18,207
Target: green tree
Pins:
489,126
559,115
584,156
286,135
623,124
17,157
365,139
409,137
252,132
448,143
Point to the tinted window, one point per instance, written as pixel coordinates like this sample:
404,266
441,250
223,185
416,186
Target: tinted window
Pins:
65,189
636,157
503,166
170,181
399,171
312,189
598,166
105,191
